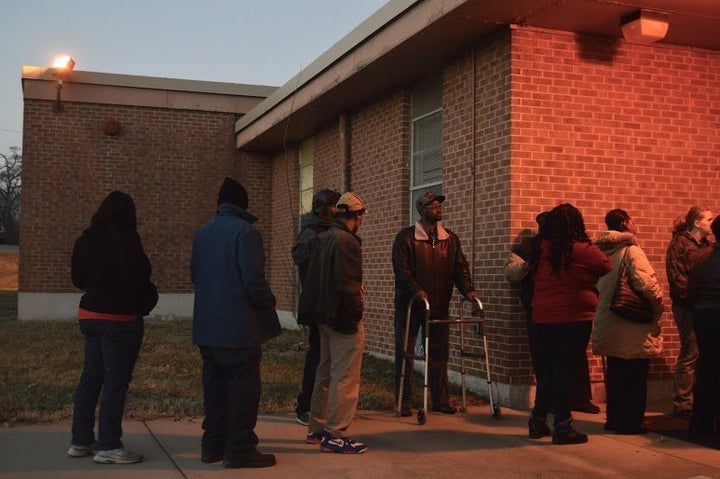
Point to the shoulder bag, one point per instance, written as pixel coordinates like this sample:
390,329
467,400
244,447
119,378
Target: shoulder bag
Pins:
627,302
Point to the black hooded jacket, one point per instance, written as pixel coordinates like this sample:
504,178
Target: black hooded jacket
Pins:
110,265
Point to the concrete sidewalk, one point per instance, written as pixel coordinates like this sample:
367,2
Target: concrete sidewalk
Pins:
472,444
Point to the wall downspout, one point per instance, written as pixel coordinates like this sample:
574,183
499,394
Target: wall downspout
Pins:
474,162
344,146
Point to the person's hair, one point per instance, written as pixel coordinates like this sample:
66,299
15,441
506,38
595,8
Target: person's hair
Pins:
691,217
617,220
563,227
715,228
117,211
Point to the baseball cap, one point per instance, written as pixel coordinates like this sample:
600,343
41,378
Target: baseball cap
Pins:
427,198
349,202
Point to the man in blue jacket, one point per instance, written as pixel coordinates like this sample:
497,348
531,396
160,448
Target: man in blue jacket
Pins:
234,313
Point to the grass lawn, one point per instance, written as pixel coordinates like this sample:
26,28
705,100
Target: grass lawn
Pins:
42,360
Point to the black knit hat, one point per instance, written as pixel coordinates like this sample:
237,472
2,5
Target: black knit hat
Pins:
233,192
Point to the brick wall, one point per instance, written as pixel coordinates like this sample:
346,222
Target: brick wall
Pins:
284,182
605,124
380,175
171,162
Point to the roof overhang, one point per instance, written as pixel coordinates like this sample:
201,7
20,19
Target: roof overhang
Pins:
406,39
39,83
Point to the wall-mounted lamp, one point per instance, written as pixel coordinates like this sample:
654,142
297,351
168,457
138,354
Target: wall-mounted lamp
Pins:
61,70
644,26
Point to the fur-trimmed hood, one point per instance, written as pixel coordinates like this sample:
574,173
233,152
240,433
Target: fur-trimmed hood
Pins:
611,240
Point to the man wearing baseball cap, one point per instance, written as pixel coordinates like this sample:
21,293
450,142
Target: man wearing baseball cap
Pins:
318,221
332,297
427,261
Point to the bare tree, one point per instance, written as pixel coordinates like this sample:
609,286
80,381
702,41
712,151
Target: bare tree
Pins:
10,188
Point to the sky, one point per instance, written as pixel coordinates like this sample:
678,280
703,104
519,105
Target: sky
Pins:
257,42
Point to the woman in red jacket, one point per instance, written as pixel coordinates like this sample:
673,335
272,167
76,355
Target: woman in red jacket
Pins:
566,269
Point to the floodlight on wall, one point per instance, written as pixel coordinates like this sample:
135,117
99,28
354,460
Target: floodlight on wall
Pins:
61,69
644,26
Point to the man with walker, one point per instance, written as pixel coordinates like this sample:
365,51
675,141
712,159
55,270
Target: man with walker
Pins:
427,261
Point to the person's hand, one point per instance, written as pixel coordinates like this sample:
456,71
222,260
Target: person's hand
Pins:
476,310
421,295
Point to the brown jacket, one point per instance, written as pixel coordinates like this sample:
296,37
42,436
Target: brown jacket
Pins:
333,290
434,268
682,254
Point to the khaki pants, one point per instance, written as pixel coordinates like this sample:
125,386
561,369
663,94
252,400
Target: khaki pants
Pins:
337,381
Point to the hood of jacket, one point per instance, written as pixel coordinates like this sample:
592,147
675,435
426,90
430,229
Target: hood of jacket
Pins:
611,241
311,220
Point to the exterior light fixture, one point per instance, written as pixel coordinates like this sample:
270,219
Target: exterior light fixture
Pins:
61,70
644,26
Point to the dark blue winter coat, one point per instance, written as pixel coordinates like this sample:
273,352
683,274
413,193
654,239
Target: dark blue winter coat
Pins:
234,306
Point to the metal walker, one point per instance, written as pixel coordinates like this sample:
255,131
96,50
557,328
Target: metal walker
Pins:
480,322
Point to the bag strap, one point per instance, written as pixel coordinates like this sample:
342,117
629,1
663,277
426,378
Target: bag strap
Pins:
623,265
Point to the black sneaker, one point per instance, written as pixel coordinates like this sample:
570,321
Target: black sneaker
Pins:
303,418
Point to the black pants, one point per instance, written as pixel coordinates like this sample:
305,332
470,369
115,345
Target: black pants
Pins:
111,349
558,351
231,385
581,392
706,394
312,359
439,350
626,387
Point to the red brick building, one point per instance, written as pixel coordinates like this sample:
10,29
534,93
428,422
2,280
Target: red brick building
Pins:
508,110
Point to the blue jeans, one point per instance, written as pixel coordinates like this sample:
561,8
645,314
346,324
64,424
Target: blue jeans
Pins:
111,349
686,360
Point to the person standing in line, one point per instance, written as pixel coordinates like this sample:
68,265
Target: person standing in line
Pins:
704,295
314,223
333,297
627,345
234,312
110,266
689,245
427,261
516,271
566,267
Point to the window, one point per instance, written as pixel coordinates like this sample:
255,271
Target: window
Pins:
306,176
426,139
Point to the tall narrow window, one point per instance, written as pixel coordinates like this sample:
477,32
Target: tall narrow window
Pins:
426,139
306,176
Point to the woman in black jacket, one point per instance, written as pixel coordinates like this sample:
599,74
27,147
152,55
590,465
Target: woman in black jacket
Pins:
110,266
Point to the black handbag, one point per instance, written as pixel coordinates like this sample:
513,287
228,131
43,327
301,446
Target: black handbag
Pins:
627,302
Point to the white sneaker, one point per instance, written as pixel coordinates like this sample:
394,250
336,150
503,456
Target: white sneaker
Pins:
82,451
117,456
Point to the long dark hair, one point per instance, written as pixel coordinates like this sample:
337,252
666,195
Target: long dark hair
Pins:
116,212
563,227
